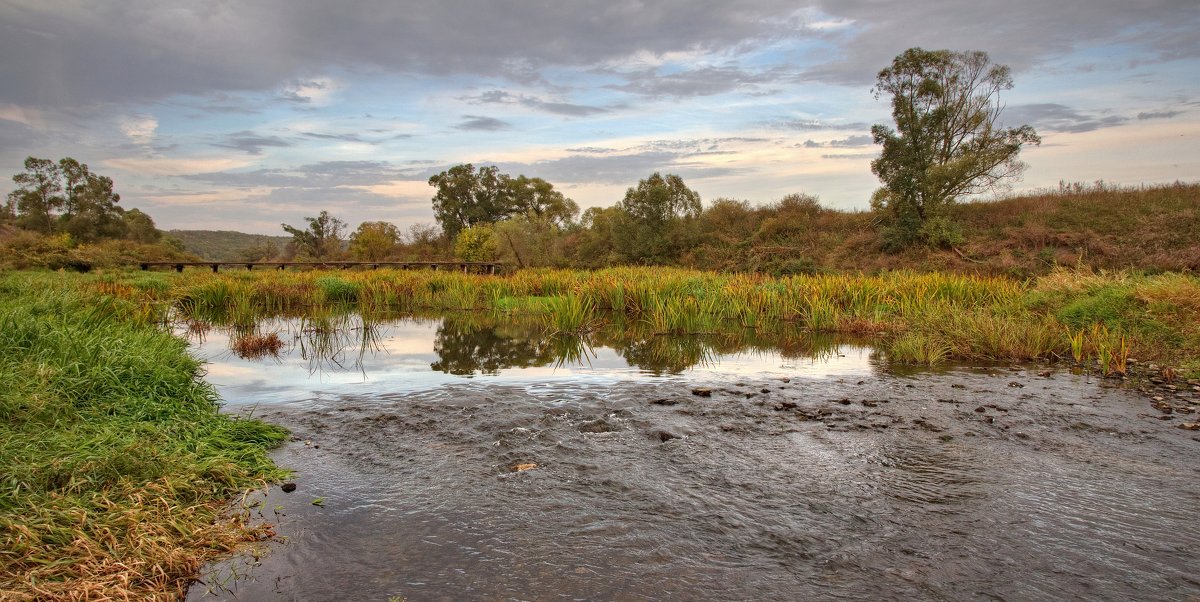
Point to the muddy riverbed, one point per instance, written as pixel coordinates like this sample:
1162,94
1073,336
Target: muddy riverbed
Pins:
821,479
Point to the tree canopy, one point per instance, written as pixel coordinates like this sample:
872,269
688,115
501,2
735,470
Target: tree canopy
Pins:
948,141
323,237
68,197
466,197
374,241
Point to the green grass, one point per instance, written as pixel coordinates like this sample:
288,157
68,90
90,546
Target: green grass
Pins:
116,461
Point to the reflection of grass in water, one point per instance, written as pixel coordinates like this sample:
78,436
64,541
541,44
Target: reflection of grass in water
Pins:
571,349
256,345
325,338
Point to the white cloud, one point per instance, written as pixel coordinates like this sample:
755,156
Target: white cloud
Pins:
139,129
317,92
23,115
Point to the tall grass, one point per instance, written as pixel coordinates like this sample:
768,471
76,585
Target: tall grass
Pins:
116,463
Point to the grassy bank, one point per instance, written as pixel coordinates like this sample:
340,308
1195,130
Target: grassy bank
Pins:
916,317
116,464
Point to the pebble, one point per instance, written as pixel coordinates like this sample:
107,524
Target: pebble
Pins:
702,392
288,487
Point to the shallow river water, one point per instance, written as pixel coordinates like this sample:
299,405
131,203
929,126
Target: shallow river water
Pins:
760,474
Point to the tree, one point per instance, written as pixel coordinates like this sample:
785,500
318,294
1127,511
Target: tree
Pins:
323,237
659,198
947,143
66,197
139,227
91,211
38,195
465,197
374,241
661,211
537,198
476,243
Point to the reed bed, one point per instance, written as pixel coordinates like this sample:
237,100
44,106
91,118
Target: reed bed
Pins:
941,315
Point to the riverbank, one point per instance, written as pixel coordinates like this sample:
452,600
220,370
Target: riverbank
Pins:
117,464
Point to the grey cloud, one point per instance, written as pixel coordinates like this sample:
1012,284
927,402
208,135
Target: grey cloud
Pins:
341,137
1046,29
706,81
482,123
851,156
856,141
813,125
136,50
626,168
592,150
533,102
140,50
326,174
1055,117
1157,115
251,143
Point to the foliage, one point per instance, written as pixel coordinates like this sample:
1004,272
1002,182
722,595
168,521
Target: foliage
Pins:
68,197
225,245
948,142
465,198
374,241
323,237
476,243
659,216
530,241
537,200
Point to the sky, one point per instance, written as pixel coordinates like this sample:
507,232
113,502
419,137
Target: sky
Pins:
245,115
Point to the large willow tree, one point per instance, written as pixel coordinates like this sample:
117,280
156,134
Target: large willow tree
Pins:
948,141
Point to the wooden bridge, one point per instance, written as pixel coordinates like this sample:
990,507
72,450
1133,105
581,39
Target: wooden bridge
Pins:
478,267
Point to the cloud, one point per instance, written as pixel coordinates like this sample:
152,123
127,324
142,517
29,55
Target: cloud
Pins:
139,128
705,81
251,143
145,50
315,92
1157,115
482,123
1055,117
1047,30
26,116
324,174
627,166
851,156
554,107
813,125
856,141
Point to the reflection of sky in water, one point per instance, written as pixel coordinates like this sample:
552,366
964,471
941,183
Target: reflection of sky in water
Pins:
402,357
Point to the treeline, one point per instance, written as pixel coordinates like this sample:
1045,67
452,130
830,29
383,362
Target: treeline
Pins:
62,214
661,221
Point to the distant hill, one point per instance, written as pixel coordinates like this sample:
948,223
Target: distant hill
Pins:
227,245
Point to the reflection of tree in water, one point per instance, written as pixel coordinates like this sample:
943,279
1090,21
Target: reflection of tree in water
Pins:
469,347
666,354
477,344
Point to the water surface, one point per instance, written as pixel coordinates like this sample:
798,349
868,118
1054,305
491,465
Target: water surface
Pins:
482,462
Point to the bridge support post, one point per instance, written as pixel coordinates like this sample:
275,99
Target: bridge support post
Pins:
179,268
214,267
